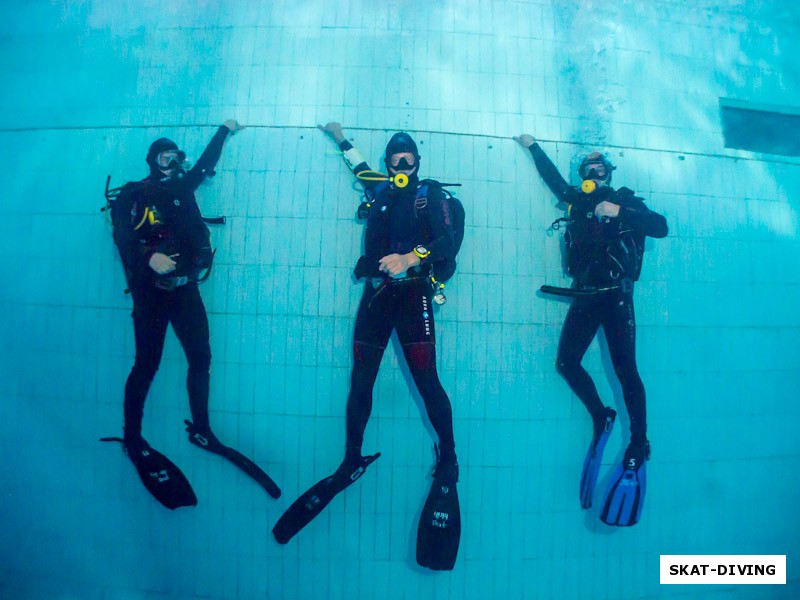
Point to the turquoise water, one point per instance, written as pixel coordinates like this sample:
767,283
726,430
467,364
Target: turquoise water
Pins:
87,87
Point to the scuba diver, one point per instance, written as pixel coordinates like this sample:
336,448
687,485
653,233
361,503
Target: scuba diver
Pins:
166,251
409,233
604,240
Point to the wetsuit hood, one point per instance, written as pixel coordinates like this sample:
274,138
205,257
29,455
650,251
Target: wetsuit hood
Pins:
591,165
402,142
156,148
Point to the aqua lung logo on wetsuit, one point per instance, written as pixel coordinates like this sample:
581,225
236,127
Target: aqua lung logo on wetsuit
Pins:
426,315
421,202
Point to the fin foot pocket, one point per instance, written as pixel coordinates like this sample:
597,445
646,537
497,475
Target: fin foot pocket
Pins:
317,497
208,441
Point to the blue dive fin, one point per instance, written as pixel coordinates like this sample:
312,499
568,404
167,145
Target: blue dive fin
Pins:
625,497
594,457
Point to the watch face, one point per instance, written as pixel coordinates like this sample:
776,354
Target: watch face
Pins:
422,250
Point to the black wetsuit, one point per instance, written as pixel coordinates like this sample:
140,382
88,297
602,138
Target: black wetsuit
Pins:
605,256
398,221
159,214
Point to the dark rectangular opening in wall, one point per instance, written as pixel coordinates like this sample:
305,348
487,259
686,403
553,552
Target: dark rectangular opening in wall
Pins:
760,128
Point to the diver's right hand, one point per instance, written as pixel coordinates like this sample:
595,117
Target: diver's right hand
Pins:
334,130
233,126
161,263
525,140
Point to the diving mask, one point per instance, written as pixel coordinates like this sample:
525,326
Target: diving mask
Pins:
403,161
594,170
171,159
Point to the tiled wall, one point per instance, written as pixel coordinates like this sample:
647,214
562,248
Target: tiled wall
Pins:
87,87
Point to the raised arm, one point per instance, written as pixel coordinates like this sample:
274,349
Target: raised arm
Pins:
208,160
547,170
352,157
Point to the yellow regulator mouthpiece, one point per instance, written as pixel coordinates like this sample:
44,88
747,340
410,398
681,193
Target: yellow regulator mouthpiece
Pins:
588,186
400,180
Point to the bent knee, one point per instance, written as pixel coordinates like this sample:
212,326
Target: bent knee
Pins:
566,365
144,369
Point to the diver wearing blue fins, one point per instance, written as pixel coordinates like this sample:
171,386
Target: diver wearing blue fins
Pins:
165,248
604,240
409,249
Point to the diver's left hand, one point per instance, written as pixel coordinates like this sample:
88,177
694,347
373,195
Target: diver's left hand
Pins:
233,125
524,139
606,209
395,264
334,130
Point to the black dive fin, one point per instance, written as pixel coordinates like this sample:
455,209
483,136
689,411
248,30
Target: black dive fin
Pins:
439,531
210,442
160,476
312,502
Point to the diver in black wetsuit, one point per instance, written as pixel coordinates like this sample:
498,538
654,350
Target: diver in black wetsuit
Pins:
166,250
408,230
400,245
605,243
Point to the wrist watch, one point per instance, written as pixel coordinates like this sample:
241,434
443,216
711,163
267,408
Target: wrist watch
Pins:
422,252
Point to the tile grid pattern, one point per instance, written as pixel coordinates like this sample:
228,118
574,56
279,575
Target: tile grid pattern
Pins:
90,85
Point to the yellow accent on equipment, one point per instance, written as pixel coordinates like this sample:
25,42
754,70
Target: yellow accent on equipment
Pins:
370,175
144,218
400,180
